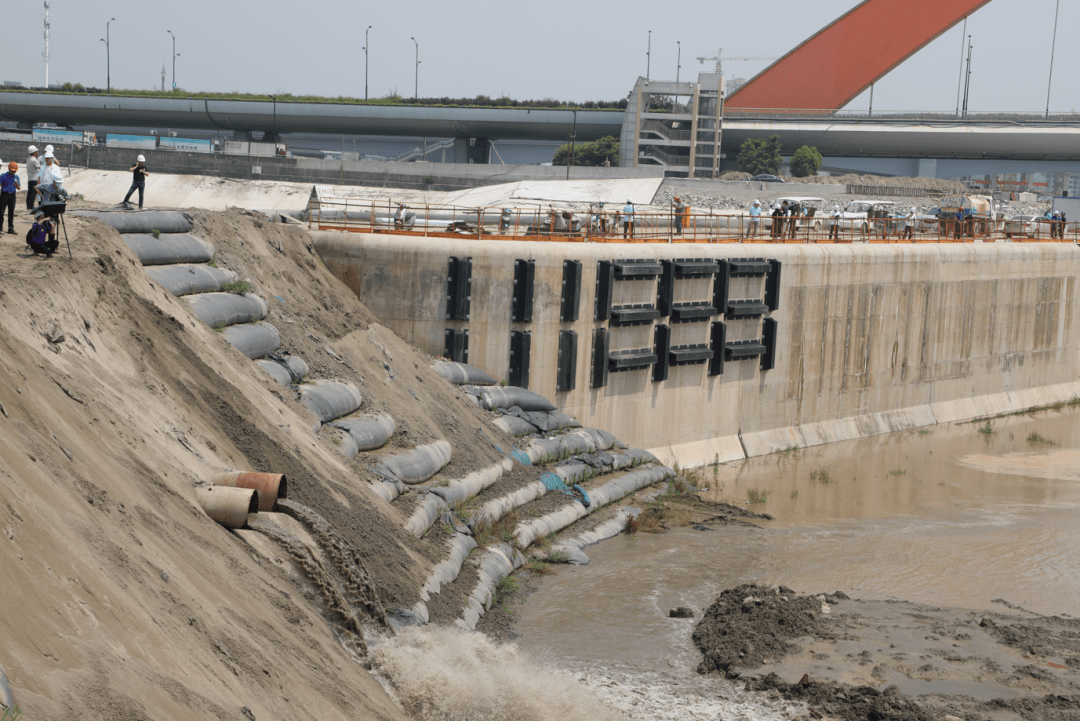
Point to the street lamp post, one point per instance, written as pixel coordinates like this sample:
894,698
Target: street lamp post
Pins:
1053,45
170,32
108,62
273,133
416,90
366,44
648,57
678,62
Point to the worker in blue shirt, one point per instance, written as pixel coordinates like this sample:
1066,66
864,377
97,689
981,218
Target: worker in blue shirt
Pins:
9,186
628,220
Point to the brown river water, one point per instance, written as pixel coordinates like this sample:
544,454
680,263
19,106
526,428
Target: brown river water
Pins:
948,515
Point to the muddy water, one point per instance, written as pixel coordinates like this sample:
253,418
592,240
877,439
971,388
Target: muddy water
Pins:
948,516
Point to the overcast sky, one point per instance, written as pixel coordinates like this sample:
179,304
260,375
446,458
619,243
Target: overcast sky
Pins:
562,49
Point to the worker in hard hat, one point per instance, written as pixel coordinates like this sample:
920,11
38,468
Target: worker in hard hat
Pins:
9,186
909,225
33,169
678,209
778,213
834,223
50,187
505,218
138,180
755,218
628,220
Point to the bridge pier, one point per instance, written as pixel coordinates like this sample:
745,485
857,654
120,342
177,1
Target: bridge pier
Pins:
472,150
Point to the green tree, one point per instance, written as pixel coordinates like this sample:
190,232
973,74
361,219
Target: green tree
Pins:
757,156
805,162
589,154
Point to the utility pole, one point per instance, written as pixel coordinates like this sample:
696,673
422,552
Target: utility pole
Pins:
1050,79
170,32
416,90
108,61
162,76
573,141
366,44
967,82
960,77
46,53
678,63
648,57
871,113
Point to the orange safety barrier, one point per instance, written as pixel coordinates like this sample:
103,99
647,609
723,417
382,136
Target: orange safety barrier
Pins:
559,225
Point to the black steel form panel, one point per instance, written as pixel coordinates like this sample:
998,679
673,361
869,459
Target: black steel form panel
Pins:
571,290
772,285
692,312
601,345
717,341
748,267
520,355
662,343
521,305
636,268
633,314
605,289
743,349
456,345
459,288
739,309
682,355
768,338
695,267
628,360
566,376
665,288
721,286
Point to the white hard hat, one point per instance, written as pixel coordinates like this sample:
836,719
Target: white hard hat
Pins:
836,207
756,202
49,155
141,159
32,149
48,148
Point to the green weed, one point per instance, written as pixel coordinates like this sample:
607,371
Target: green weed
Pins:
755,496
487,531
986,428
10,714
337,441
898,472
213,261
794,494
219,327
821,475
156,233
539,567
1074,402
633,525
558,557
506,587
239,287
1035,437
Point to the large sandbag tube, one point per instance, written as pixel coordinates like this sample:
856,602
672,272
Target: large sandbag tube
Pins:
498,562
465,488
169,249
627,484
506,397
143,221
582,440
277,371
448,570
417,465
254,341
431,506
568,550
368,432
328,400
388,490
7,699
576,468
542,420
498,507
297,366
224,309
188,279
463,374
228,506
269,486
515,426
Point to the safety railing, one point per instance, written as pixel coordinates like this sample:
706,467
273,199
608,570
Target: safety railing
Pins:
663,156
651,226
655,126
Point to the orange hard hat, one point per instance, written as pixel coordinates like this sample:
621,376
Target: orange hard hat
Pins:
13,165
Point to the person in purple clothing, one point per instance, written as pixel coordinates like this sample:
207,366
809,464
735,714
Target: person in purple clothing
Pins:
9,186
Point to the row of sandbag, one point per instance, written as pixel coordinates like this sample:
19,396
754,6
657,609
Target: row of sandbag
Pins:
439,499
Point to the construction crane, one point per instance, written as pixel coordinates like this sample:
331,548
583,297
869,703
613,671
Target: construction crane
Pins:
718,59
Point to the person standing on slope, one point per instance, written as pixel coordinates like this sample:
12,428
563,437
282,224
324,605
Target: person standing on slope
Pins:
138,180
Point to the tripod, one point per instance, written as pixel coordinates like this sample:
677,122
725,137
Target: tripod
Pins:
55,209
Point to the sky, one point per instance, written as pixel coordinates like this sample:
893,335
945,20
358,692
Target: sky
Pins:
560,49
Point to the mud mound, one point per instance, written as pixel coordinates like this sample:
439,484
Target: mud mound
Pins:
750,625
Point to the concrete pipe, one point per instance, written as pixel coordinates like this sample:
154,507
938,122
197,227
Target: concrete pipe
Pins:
369,432
189,279
169,249
254,341
461,374
269,486
328,400
277,371
228,506
143,221
509,396
417,465
224,309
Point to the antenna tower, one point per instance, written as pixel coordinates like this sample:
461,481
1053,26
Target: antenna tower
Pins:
46,53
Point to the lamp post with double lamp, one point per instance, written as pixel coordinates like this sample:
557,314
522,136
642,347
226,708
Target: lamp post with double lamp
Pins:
108,61
416,90
170,32
366,44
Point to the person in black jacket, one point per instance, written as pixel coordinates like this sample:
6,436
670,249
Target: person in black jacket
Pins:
138,180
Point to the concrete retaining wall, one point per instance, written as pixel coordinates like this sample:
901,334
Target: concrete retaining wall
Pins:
415,176
870,338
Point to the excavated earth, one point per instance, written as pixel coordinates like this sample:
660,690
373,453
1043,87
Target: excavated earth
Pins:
120,598
851,659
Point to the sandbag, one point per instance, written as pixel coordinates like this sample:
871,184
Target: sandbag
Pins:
297,366
254,341
328,400
542,420
569,550
465,488
277,371
189,279
445,572
498,507
368,432
169,249
224,309
425,514
515,426
498,562
505,397
143,221
7,699
388,490
416,465
463,374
